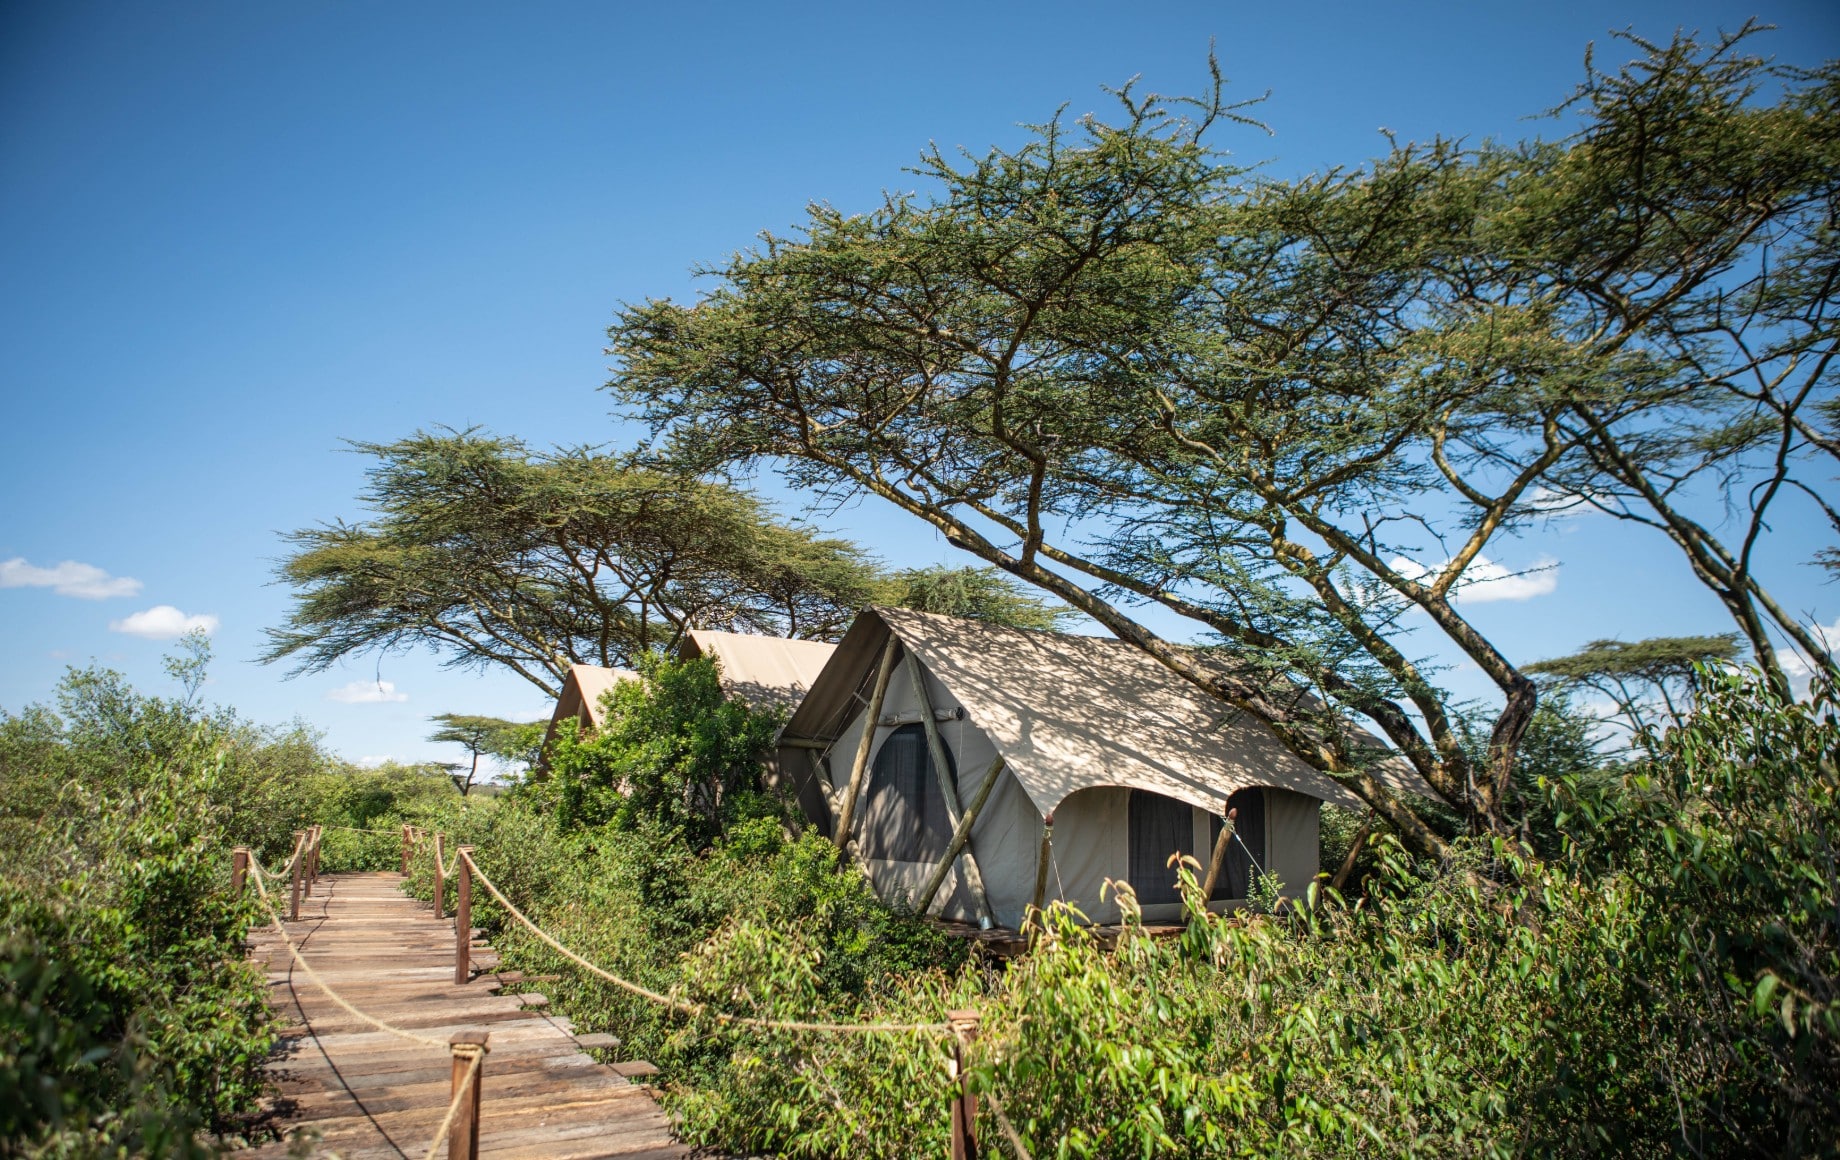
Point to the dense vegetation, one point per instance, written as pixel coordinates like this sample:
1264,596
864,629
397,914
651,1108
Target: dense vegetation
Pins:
129,1021
1663,979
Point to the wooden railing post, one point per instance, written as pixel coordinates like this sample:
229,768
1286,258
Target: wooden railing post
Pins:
964,1105
405,851
239,868
310,855
440,885
294,868
463,1137
463,918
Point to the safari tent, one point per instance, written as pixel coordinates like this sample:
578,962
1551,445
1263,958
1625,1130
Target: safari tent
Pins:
581,695
1129,762
765,672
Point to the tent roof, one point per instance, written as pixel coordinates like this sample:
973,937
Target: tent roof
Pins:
764,671
1069,712
582,690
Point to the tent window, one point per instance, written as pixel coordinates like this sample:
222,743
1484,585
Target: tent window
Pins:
1249,824
906,816
1160,826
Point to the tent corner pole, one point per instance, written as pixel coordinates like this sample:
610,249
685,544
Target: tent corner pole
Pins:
846,814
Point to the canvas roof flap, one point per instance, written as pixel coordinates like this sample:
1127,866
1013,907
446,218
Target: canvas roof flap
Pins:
765,672
1072,712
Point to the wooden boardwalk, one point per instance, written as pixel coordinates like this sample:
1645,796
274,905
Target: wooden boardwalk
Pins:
357,1092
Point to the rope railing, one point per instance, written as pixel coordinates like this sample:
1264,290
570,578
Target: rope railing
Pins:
684,1006
338,1000
463,1105
460,1123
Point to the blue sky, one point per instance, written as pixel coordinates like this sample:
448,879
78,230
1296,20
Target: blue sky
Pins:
235,234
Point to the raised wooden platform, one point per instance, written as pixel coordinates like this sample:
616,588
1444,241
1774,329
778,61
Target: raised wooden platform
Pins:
362,1093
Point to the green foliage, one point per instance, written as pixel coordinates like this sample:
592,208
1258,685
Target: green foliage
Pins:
674,755
491,554
130,1021
975,594
1667,982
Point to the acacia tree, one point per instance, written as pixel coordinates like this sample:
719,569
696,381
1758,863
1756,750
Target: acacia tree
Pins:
1651,682
1124,371
973,593
491,554
482,736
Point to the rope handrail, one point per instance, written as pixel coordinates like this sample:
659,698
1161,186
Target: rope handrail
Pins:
686,1007
301,961
358,830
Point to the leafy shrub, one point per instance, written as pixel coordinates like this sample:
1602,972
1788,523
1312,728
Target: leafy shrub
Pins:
130,1020
1663,983
674,753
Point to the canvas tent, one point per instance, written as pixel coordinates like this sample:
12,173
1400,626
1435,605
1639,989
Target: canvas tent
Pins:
582,691
1131,762
764,672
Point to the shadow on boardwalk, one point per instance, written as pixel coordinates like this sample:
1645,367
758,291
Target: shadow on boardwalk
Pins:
347,1087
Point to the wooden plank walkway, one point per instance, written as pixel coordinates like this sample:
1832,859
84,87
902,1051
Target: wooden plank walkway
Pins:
362,1093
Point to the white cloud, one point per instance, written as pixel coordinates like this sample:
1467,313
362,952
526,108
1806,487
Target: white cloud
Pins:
70,578
374,760
1796,667
1558,505
163,622
366,693
1485,581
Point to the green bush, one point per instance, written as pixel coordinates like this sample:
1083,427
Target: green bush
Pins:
130,1020
1663,982
674,754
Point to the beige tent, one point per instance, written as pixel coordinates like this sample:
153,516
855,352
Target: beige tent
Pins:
768,672
582,691
765,672
1131,762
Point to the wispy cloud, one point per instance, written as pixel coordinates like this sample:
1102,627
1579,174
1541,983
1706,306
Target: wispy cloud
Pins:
163,622
1796,667
1485,581
70,578
366,693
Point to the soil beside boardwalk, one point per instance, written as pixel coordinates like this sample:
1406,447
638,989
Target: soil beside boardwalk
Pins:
348,1088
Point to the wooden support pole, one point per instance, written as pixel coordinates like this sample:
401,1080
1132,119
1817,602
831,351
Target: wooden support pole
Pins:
1217,865
440,886
312,859
294,868
1360,841
964,1105
463,918
942,770
960,837
405,852
239,868
1042,862
463,1137
846,816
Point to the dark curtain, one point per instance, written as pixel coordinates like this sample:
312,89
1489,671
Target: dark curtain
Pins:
905,815
1249,824
1160,826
